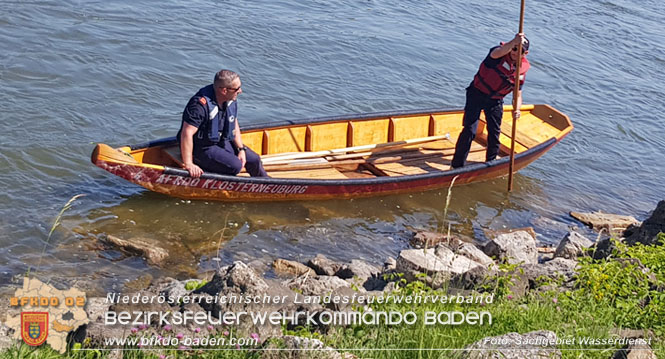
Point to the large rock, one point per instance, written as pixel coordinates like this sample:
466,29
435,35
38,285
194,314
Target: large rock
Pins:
482,278
363,274
389,265
506,346
439,264
557,269
6,340
603,248
425,239
324,266
237,277
340,305
169,287
572,246
240,281
319,285
358,269
514,248
599,221
475,278
153,254
468,250
96,307
291,267
647,233
635,351
493,233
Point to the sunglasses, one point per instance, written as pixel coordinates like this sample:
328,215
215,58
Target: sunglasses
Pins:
515,49
234,89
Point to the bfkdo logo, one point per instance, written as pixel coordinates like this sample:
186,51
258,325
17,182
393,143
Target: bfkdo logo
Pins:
34,327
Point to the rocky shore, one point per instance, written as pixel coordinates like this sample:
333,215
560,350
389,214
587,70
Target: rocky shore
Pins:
455,264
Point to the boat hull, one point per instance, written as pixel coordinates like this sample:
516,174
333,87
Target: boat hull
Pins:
177,183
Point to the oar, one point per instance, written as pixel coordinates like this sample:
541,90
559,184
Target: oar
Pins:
280,166
516,94
349,156
301,155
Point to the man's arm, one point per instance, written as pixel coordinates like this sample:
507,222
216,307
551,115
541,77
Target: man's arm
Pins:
239,145
516,110
187,149
504,49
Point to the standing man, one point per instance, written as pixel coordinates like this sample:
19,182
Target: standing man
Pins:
493,81
210,135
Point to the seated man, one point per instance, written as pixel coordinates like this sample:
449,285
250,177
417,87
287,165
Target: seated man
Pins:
210,135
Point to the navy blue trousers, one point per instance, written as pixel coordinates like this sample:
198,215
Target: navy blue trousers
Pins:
477,101
223,158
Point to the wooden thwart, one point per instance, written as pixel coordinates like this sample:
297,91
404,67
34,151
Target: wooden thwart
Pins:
312,173
280,157
174,153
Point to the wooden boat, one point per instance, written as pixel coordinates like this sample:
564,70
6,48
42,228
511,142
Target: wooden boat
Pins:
344,157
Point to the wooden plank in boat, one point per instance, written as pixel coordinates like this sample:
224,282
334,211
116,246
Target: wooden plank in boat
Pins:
410,127
415,166
399,169
536,128
317,173
253,140
476,156
440,144
504,144
173,153
328,135
522,136
285,140
370,132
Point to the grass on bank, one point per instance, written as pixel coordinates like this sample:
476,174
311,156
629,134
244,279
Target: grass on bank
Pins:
626,291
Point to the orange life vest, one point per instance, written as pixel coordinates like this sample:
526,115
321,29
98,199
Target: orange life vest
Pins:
498,81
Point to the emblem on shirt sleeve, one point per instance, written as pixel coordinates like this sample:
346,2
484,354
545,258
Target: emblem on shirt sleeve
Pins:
203,101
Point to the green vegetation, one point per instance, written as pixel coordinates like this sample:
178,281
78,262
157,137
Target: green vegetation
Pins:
56,223
625,291
195,284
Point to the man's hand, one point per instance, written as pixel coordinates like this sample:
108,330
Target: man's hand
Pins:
516,114
519,38
194,170
243,158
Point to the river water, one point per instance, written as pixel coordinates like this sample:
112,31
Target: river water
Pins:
74,73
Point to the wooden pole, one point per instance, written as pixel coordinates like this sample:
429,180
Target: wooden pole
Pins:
516,94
